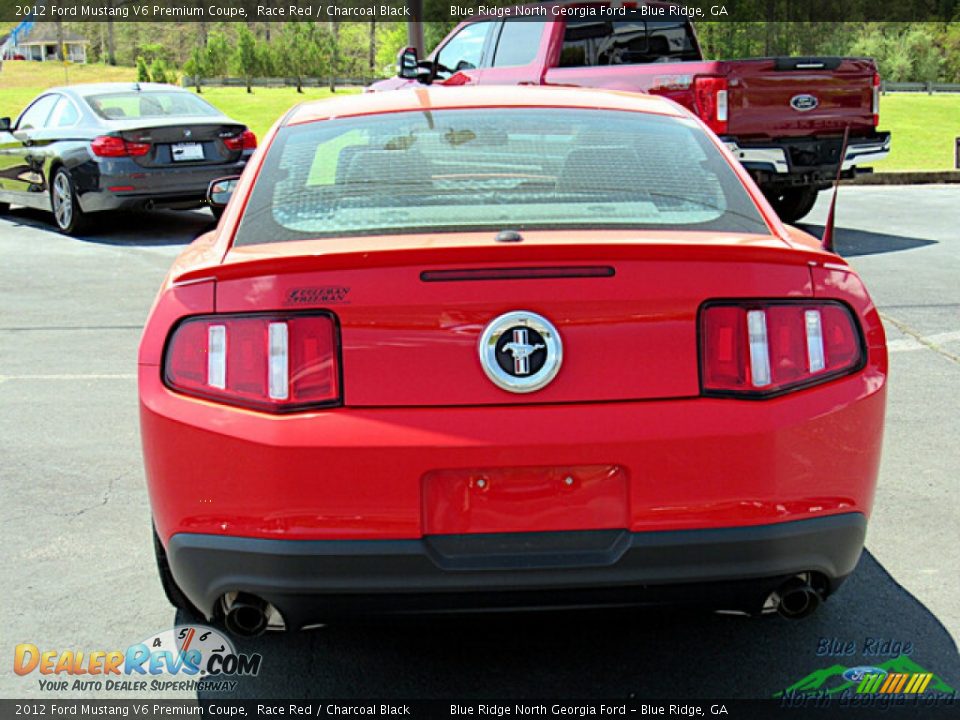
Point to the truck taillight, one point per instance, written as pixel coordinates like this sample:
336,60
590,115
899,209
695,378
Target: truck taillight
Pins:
246,140
113,146
276,363
766,348
876,99
711,98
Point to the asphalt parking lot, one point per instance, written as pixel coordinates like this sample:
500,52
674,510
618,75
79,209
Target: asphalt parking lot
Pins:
78,567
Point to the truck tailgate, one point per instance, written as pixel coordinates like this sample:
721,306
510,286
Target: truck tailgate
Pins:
777,97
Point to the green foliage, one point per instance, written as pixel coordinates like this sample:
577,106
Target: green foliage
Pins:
244,58
143,74
196,67
158,71
218,53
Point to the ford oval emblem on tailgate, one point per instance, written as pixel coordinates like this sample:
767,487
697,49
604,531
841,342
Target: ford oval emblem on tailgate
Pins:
804,102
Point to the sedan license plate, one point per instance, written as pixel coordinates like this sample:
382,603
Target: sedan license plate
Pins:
186,151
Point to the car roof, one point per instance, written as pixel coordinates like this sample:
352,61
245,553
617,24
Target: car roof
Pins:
438,97
86,89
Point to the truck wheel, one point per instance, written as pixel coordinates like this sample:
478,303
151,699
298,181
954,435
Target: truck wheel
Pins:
793,203
170,588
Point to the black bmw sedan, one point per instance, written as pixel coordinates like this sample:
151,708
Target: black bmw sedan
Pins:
79,150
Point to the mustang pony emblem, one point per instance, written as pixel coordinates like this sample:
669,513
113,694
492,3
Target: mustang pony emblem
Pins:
521,351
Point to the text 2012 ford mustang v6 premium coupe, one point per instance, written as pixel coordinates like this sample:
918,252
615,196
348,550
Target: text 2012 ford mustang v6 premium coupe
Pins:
472,349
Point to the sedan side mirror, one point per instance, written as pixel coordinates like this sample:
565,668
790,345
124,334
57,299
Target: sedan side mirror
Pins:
220,191
5,124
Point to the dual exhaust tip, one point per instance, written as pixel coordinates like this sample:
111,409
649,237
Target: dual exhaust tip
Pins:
797,598
246,615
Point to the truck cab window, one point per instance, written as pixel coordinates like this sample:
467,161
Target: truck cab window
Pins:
464,51
589,43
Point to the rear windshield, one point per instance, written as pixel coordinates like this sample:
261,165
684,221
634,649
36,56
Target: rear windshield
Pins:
518,168
589,42
153,104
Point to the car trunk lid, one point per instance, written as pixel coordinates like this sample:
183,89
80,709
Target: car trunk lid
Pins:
411,309
183,141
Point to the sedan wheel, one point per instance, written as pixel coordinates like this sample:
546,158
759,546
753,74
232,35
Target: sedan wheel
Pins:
66,210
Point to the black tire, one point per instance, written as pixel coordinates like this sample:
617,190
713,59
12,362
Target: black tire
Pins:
67,215
170,588
4,208
217,212
793,203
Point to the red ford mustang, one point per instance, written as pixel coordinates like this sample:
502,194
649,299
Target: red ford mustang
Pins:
474,349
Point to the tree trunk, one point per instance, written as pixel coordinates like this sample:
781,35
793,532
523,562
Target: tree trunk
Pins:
373,47
59,24
335,56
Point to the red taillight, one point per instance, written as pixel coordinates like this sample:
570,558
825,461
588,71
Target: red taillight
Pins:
766,348
711,98
276,363
246,140
876,99
113,146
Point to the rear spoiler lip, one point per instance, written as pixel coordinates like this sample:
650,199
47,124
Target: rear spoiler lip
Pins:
778,251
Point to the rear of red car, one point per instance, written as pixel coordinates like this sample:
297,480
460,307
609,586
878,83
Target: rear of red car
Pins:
452,360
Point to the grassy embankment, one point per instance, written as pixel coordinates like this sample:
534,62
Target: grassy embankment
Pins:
924,126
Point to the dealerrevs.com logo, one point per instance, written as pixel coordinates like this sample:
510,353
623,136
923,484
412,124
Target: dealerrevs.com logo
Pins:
186,657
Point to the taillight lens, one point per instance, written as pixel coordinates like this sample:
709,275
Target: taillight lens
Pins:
276,363
876,99
768,348
246,140
113,146
711,96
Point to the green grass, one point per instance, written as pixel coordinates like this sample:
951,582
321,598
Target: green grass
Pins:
924,126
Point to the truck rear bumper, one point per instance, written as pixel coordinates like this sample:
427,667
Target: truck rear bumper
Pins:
309,581
786,156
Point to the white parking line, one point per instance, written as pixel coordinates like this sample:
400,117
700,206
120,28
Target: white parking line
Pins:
7,378
907,344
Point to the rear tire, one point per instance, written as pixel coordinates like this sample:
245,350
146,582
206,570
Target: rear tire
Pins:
792,204
67,214
170,588
4,208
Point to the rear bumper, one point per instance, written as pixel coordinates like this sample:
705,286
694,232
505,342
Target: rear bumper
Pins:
810,156
310,581
122,184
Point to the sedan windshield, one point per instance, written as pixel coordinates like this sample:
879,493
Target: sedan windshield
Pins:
153,104
478,169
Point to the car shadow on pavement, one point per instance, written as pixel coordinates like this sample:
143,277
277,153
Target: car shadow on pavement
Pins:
640,653
132,228
851,243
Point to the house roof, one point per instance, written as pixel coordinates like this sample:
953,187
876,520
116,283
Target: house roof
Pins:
47,33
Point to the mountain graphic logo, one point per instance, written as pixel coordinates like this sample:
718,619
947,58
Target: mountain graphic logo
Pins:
899,675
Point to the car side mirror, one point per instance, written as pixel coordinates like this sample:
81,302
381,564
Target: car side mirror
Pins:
220,191
5,124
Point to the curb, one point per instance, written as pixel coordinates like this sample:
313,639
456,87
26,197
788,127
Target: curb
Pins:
905,178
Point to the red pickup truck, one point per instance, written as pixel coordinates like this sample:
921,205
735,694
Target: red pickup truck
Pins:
784,117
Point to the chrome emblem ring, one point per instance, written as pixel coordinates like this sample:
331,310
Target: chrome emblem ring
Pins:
520,351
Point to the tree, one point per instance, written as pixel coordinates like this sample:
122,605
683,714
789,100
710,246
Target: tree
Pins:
195,67
143,74
158,71
245,56
218,54
300,50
